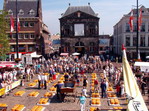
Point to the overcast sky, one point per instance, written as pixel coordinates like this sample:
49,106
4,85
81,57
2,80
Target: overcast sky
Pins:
109,11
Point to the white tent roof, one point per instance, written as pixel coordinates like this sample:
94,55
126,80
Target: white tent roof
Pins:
141,64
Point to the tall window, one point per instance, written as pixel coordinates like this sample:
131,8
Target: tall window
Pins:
32,36
148,40
21,36
26,24
26,36
127,40
134,40
67,30
92,45
92,29
142,40
127,27
143,27
134,27
79,29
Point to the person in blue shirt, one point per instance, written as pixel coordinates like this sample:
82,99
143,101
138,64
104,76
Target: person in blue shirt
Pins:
82,100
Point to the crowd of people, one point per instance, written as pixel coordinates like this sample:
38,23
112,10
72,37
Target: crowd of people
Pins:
75,69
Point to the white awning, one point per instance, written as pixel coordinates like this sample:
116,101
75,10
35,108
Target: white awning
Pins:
75,53
64,54
141,64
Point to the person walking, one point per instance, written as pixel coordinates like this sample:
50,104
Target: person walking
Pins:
39,81
82,100
103,89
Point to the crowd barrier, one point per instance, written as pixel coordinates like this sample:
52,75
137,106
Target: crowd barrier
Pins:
9,87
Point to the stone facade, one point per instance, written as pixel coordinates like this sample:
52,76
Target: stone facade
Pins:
79,27
123,35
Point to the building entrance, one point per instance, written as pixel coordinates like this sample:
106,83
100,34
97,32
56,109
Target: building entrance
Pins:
79,47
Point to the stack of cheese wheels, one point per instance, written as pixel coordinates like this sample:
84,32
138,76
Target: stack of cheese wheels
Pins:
92,89
36,80
3,105
114,101
92,84
111,95
62,78
19,93
32,84
110,89
43,101
34,93
37,108
118,107
48,94
94,75
93,109
46,73
95,101
95,95
18,107
52,89
48,81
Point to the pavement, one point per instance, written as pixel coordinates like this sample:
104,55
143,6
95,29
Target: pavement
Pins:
54,103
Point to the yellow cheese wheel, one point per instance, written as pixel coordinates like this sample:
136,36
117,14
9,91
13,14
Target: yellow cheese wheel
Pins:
14,108
19,108
40,108
93,101
112,101
34,108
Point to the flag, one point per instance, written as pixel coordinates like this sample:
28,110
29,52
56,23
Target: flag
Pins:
140,19
11,24
131,20
18,24
136,101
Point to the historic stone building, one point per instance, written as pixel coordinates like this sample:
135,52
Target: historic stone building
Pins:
34,34
123,35
79,28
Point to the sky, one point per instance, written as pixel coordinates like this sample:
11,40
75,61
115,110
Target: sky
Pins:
109,11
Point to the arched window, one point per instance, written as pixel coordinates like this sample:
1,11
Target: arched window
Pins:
21,12
32,12
10,12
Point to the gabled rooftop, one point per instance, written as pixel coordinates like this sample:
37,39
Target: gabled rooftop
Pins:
85,9
25,6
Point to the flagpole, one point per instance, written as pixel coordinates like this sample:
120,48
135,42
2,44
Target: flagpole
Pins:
17,47
137,45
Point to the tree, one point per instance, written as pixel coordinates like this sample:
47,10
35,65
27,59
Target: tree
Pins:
4,40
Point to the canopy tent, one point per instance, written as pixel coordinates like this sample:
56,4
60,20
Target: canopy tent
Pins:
7,64
64,54
144,66
75,53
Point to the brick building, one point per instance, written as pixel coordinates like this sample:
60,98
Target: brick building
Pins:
34,34
79,27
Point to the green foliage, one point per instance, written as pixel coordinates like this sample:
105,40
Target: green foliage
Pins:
4,40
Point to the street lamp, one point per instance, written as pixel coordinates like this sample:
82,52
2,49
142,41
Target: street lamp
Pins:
137,45
17,50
